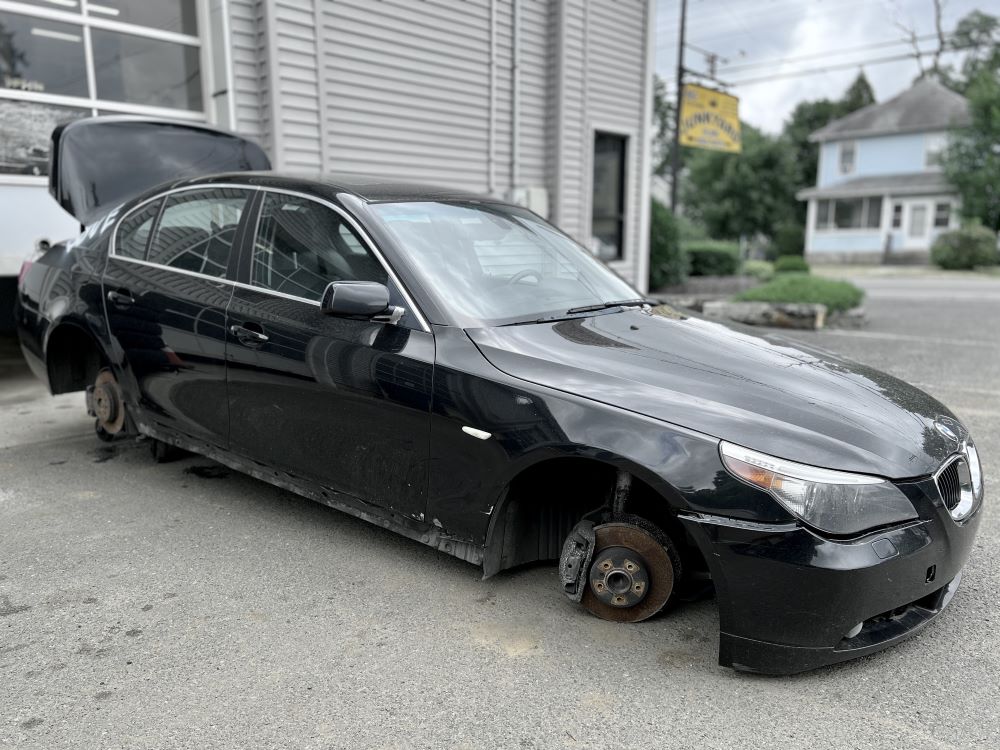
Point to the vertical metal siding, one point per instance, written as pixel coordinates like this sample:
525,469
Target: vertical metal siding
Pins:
615,73
407,89
298,84
246,73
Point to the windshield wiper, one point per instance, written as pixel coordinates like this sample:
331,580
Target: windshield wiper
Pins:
580,310
606,305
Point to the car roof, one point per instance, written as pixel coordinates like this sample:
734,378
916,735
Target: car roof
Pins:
367,188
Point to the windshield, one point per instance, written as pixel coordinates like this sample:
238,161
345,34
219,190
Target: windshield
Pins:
491,264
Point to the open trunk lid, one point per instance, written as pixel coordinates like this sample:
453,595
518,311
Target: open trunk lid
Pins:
98,162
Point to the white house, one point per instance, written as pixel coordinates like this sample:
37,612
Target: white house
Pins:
880,195
545,102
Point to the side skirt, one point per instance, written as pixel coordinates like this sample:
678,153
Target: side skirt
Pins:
403,525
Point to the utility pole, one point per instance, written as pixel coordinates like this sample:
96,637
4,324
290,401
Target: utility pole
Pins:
675,162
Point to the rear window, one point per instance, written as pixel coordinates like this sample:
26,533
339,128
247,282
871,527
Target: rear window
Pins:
196,231
134,231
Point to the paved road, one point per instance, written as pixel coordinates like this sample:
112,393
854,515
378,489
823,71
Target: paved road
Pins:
164,606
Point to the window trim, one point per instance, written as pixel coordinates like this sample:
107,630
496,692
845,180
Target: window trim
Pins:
950,209
866,205
252,189
840,157
629,138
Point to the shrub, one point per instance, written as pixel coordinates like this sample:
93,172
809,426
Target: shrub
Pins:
836,295
713,257
789,239
689,230
791,263
967,247
761,270
668,263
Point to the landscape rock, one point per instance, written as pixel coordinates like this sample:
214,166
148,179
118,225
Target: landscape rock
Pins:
776,314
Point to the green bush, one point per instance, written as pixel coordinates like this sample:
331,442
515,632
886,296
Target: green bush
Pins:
713,257
789,239
689,230
668,263
836,295
761,270
967,247
791,264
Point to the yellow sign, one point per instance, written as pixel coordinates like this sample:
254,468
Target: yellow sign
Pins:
710,119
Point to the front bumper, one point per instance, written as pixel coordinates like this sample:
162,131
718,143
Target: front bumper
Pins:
791,600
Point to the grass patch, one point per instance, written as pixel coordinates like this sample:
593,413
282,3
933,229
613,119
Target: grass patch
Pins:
836,295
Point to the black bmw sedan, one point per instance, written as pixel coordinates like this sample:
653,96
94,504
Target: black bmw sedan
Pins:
458,370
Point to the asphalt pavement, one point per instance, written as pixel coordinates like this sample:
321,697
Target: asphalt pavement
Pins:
186,606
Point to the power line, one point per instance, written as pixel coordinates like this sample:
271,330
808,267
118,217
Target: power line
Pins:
845,66
828,53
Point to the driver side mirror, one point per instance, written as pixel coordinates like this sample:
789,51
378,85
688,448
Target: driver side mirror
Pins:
360,299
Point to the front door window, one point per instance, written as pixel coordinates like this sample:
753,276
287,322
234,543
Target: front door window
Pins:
918,221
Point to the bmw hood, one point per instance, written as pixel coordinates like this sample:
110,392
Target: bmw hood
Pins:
764,392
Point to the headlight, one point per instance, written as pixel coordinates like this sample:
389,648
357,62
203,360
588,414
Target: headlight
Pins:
832,501
975,469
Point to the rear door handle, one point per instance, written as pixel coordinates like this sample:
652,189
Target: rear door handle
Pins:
248,336
121,299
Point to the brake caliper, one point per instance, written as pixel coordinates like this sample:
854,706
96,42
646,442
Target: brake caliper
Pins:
575,560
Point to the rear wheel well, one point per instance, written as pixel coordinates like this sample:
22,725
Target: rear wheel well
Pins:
72,358
545,501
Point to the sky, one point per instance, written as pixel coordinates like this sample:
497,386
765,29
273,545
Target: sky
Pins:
747,32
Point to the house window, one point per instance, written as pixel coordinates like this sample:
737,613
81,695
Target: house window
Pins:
849,213
824,214
942,215
608,202
848,152
897,215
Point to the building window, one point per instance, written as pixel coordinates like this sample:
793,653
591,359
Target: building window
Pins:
848,153
897,215
608,202
146,59
42,56
849,213
139,70
824,214
942,215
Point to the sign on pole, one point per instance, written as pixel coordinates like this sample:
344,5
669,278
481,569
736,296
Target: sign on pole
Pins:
709,119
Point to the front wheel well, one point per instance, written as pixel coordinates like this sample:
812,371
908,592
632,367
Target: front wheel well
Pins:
73,359
542,504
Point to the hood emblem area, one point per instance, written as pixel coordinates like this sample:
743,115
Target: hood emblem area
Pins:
948,428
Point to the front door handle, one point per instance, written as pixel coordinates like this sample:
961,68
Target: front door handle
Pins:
248,336
121,299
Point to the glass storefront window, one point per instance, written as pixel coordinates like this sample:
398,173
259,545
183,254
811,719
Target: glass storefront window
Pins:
166,15
24,134
139,70
42,56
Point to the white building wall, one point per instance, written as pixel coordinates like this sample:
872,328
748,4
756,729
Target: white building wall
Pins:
435,91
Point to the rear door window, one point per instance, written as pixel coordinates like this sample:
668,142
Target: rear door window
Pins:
197,230
134,231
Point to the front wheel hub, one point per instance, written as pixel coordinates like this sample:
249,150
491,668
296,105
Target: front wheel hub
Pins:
632,573
619,577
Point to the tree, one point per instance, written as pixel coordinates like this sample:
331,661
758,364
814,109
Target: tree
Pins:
978,34
663,122
859,94
743,194
972,160
808,117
